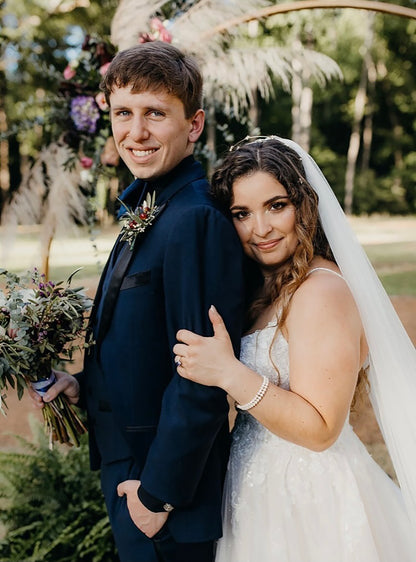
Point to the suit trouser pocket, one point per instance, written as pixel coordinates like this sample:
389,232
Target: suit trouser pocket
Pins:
131,543
168,550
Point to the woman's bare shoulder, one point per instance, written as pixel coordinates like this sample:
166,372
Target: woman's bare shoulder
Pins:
324,291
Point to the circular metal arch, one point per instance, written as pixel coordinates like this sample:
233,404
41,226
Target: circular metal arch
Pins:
383,7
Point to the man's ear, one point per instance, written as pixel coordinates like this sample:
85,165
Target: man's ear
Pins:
197,125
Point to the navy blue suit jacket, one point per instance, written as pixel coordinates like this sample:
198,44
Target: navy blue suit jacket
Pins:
174,429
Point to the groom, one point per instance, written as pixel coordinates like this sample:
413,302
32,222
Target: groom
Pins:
160,441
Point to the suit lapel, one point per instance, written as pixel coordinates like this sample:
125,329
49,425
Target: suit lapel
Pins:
117,275
99,290
111,294
192,173
129,198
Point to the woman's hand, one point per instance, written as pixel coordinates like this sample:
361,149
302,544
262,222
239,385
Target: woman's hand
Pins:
206,360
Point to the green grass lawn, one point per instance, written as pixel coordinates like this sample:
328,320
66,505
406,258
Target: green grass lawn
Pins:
390,243
395,264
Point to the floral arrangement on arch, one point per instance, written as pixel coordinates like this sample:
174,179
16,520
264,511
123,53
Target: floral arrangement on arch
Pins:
158,31
87,128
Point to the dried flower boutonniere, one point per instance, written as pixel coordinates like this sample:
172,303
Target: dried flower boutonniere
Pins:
136,222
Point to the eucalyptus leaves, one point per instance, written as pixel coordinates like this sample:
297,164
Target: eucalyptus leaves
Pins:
41,325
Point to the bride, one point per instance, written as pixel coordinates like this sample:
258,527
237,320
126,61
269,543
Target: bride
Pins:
300,486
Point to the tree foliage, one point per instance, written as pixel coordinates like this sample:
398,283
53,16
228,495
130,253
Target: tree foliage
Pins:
384,181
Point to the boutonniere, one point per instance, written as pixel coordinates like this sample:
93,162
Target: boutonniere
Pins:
135,222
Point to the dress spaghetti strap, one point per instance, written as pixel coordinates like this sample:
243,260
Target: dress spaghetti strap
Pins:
324,269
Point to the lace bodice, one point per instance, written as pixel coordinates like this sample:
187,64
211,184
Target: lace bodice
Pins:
256,350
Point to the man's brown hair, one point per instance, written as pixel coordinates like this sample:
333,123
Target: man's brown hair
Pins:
156,66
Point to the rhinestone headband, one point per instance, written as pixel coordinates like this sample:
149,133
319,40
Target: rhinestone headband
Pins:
250,140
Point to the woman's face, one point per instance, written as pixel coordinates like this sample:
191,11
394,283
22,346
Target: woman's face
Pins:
264,218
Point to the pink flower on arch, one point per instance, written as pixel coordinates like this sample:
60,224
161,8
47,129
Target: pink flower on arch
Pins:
69,72
156,24
103,69
165,36
160,31
101,101
86,162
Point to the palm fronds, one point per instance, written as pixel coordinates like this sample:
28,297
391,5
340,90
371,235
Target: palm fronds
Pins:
234,64
50,195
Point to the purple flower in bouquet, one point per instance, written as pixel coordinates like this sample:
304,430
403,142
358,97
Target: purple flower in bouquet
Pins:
84,113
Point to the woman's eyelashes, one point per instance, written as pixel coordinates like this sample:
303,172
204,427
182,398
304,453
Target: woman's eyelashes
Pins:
242,214
278,205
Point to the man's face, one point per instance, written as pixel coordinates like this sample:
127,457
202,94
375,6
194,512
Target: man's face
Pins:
151,132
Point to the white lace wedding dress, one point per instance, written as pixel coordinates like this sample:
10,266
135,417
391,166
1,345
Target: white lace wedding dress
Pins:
286,503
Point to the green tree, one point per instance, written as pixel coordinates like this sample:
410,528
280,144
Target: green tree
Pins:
385,173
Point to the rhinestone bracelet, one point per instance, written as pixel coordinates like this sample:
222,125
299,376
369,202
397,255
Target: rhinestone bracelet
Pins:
256,399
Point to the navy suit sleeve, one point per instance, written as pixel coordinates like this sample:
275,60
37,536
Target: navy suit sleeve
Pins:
202,266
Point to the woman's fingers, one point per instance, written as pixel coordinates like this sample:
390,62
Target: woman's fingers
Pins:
220,331
188,337
180,349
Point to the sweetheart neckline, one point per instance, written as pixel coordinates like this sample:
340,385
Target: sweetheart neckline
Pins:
270,324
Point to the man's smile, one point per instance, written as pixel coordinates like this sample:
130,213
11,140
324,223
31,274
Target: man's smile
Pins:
144,152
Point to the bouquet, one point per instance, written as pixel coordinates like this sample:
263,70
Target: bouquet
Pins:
41,325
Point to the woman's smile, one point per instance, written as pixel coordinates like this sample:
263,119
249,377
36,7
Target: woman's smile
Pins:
267,245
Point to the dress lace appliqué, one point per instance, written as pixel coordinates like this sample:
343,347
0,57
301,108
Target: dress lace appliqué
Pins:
286,503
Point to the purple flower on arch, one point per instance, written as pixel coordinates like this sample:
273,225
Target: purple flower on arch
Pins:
84,113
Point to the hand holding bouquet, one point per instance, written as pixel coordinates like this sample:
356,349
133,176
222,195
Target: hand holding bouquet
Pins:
41,325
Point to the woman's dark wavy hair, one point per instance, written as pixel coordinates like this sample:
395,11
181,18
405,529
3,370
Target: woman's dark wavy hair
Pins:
280,161
285,165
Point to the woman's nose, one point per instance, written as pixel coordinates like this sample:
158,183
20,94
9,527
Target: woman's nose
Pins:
261,224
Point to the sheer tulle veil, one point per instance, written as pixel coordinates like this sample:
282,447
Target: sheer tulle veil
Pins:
392,370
